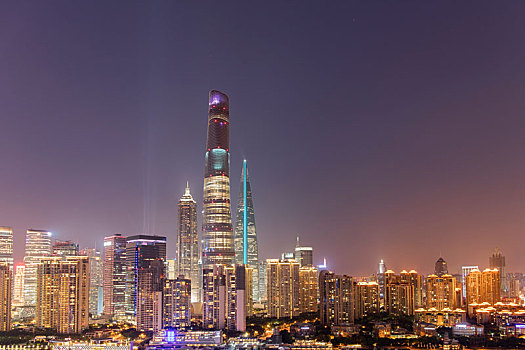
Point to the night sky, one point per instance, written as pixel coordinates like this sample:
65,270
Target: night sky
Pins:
373,129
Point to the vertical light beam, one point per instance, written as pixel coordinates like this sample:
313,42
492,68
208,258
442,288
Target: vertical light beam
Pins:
245,217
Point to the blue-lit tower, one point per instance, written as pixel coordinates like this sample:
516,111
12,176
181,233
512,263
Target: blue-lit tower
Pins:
217,222
246,249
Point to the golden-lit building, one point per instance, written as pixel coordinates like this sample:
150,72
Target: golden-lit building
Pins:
442,318
308,289
18,285
177,303
483,287
366,299
63,294
403,292
6,282
335,294
282,288
441,292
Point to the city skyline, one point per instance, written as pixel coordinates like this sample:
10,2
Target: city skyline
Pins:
396,141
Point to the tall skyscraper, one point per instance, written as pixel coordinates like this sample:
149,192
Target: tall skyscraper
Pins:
224,298
6,283
465,270
308,289
366,299
63,294
38,246
335,299
282,279
403,292
65,248
96,280
441,292
304,255
441,267
177,303
6,245
18,286
381,279
115,276
483,287
217,222
246,248
145,269
188,243
497,261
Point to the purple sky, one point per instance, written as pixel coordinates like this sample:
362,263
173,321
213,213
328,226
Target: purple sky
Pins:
389,130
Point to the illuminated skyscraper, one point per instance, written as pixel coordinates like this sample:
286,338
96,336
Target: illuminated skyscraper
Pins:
308,289
6,283
177,303
38,246
18,286
63,294
483,287
441,292
115,276
246,248
145,269
497,261
96,280
403,292
335,299
465,270
282,278
366,299
6,245
188,243
304,255
65,248
217,222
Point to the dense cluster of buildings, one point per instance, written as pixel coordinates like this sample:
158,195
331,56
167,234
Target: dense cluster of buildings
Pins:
216,282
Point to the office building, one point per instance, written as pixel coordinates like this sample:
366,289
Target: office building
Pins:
115,276
37,247
6,283
63,294
304,255
177,303
96,280
282,279
145,269
224,298
381,280
366,299
245,239
262,281
18,285
65,248
335,299
187,257
217,223
441,292
441,267
465,270
308,289
497,261
6,245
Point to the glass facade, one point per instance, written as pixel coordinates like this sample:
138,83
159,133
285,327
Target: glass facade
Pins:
38,246
217,223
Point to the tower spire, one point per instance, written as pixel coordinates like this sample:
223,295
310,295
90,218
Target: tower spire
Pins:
187,191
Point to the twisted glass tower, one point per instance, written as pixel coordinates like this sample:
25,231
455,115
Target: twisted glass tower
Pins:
217,221
246,249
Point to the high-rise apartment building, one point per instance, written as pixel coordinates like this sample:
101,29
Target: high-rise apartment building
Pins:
465,270
6,283
483,287
335,299
262,281
366,299
224,298
38,246
282,288
246,248
115,276
65,248
401,291
497,261
18,285
187,257
217,222
145,269
96,280
308,289
441,292
6,245
63,294
177,303
441,267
